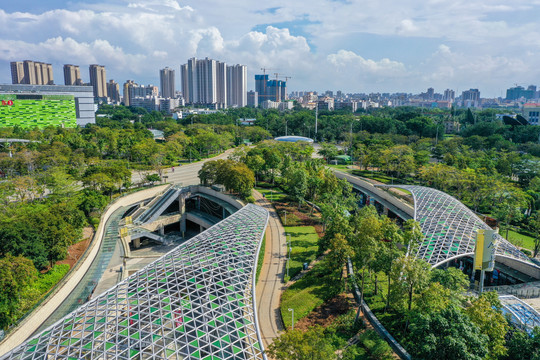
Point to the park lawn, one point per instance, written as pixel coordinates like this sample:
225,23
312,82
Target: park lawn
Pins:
340,167
312,290
304,241
272,195
518,239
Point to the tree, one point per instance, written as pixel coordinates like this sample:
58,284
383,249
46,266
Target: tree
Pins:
340,252
409,276
240,179
298,345
486,314
534,224
510,206
523,346
17,273
452,279
412,235
446,335
328,151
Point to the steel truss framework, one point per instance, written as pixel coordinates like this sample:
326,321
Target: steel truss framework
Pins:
521,314
196,302
449,227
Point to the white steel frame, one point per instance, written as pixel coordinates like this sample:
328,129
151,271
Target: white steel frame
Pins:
196,302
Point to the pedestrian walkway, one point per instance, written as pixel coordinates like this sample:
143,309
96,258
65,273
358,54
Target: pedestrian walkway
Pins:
270,285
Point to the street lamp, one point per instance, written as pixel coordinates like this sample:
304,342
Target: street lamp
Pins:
285,211
292,318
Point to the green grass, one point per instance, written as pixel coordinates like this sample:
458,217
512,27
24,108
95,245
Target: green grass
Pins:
46,281
260,259
273,195
304,241
340,167
519,239
307,293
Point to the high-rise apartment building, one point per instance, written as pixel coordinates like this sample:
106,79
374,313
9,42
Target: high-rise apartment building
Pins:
113,90
276,90
127,90
471,95
72,75
31,72
449,95
237,85
166,79
205,81
17,72
98,80
260,87
273,90
132,90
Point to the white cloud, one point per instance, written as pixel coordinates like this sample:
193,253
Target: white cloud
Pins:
481,42
351,61
406,27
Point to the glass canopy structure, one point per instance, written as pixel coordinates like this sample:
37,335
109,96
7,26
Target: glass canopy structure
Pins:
196,302
521,314
449,227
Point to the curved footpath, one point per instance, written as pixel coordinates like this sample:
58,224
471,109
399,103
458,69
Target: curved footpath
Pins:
270,285
186,175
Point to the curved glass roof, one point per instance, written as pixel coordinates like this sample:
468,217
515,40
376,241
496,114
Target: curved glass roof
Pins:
449,227
196,302
292,138
521,314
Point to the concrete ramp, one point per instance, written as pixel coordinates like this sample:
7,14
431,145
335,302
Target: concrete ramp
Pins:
158,206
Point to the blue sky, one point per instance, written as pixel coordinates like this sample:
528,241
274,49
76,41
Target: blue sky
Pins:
350,45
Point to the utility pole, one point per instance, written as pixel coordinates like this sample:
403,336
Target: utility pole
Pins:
316,118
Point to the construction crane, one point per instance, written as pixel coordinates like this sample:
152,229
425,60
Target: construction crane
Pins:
264,70
277,87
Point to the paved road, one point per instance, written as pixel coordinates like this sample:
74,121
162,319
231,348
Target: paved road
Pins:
186,174
270,285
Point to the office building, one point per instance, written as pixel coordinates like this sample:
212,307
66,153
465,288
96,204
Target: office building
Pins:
72,75
531,112
31,73
29,105
519,92
167,84
237,85
113,90
98,80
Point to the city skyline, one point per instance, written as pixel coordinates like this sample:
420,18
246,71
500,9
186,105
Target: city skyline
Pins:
340,45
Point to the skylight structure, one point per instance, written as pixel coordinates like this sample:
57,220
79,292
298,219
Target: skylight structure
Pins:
449,227
196,302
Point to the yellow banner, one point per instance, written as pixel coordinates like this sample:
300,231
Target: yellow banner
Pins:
123,232
479,249
129,220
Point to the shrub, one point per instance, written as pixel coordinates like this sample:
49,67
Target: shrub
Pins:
526,252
